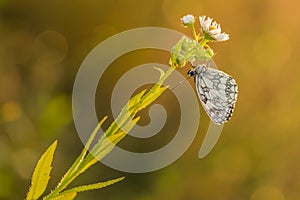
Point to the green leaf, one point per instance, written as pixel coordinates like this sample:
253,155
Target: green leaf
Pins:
107,143
137,102
130,123
189,50
134,100
119,122
151,98
67,196
187,44
124,114
94,186
162,73
68,177
177,48
88,144
100,150
41,174
176,57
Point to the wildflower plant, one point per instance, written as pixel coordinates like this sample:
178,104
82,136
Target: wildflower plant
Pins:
184,51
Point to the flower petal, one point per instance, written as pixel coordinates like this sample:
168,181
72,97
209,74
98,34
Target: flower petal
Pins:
222,37
211,29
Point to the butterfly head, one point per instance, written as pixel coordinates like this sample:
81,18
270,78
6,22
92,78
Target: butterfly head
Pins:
191,72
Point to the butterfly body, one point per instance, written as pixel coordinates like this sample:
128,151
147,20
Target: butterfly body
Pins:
217,92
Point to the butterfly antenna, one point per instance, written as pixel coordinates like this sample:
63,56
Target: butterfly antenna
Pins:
180,83
211,61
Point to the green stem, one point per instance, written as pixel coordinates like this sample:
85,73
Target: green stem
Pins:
166,75
203,42
87,161
194,33
74,168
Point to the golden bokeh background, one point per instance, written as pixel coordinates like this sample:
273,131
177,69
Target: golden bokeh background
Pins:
43,43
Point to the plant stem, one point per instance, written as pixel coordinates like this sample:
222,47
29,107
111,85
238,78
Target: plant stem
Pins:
88,159
203,42
195,33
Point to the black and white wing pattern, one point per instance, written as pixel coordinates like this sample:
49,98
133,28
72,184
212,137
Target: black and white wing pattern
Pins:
217,92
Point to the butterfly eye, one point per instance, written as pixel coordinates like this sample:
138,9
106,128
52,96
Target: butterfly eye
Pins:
191,72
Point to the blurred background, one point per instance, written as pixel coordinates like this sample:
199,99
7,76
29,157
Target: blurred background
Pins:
43,43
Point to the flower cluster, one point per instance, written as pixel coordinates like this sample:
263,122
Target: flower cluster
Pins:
211,30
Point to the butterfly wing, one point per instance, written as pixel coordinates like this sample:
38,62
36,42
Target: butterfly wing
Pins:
217,92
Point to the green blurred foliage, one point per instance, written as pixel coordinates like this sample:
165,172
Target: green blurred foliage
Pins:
42,44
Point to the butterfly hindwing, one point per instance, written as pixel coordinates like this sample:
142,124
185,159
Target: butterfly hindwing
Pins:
217,92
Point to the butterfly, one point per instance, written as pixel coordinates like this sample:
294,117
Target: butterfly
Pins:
217,92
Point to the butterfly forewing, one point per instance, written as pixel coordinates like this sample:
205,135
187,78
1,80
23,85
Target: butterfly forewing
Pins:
217,92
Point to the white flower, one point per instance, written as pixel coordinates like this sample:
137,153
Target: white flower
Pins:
212,30
188,20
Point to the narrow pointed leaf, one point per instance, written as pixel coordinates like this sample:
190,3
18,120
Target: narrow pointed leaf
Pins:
121,119
93,186
66,180
151,98
134,100
88,144
130,124
107,144
66,196
41,174
162,73
100,150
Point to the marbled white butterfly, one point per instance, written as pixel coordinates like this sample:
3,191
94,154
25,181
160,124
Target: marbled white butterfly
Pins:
217,92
